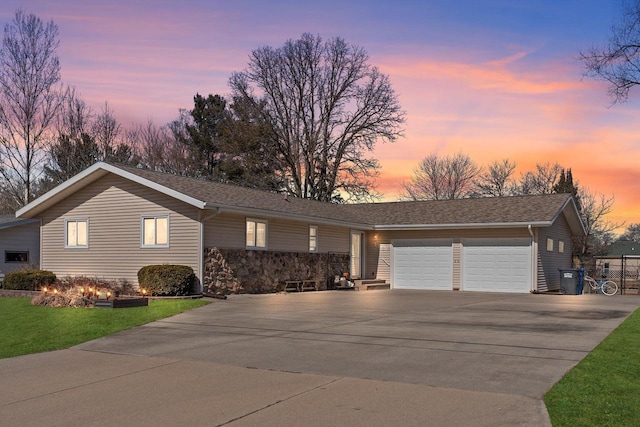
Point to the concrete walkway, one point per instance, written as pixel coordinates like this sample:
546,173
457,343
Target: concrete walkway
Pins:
317,359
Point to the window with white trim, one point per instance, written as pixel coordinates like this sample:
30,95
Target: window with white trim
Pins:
560,246
256,234
313,238
76,233
549,244
155,231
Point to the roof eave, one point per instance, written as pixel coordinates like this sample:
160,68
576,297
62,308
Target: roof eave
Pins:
467,226
577,218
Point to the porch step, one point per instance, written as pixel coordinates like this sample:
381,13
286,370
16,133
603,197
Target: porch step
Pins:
372,285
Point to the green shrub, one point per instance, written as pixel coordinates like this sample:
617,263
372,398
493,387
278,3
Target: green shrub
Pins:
167,279
28,280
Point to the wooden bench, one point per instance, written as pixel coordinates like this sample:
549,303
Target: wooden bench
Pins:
302,285
310,285
292,285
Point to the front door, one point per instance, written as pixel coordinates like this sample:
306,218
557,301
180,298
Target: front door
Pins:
356,254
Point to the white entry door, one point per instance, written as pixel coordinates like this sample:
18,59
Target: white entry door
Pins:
422,264
497,265
356,254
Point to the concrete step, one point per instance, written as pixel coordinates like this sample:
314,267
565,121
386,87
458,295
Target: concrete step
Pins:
372,284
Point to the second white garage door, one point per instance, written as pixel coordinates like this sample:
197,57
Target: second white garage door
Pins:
496,265
422,264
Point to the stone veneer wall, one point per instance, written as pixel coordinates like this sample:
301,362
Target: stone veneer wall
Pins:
240,271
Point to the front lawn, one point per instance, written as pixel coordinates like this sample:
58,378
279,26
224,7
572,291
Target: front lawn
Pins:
604,388
26,329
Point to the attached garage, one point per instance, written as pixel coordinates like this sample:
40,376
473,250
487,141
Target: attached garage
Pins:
496,265
422,264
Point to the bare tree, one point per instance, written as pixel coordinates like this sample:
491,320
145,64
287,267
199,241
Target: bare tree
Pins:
106,131
496,181
632,233
159,150
619,62
540,181
440,178
29,100
326,107
594,208
75,115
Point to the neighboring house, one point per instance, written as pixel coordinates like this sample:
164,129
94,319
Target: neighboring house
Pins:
623,255
109,221
19,244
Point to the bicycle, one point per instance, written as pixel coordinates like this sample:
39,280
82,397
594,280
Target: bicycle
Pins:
608,287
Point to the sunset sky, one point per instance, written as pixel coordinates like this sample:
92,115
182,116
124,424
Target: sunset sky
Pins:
495,81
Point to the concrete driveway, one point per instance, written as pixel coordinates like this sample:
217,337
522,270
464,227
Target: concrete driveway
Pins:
326,358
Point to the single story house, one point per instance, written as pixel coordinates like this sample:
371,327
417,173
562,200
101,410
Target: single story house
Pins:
109,221
19,244
622,256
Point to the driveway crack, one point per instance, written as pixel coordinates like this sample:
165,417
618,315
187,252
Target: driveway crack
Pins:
279,402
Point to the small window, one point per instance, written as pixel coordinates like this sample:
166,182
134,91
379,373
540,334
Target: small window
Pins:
76,233
16,256
155,231
313,238
256,234
549,245
560,246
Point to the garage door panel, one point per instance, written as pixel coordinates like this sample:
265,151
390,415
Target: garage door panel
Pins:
496,265
420,264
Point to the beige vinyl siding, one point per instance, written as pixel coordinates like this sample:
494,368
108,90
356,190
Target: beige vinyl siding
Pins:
114,207
228,231
21,238
549,262
373,243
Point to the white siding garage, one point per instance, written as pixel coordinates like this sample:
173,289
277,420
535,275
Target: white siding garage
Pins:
496,265
422,264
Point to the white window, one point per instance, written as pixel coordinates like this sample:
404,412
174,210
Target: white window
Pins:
76,233
155,231
256,234
560,246
549,244
313,238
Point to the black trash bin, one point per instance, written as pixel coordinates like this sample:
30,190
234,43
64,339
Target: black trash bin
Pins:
569,280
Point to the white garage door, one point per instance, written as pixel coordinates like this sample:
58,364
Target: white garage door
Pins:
496,265
422,264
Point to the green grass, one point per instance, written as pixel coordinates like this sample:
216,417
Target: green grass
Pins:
604,388
26,329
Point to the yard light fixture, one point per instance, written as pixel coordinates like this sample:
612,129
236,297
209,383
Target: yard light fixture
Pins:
44,289
55,292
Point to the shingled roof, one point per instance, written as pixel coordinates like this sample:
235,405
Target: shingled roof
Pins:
485,212
537,209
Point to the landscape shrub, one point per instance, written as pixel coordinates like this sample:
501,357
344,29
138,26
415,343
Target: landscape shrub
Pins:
117,287
73,291
167,279
28,280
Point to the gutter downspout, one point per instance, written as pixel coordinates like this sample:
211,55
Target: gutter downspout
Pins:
201,251
534,256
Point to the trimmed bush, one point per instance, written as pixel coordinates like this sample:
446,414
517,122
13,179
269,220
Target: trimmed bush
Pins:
28,280
167,279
